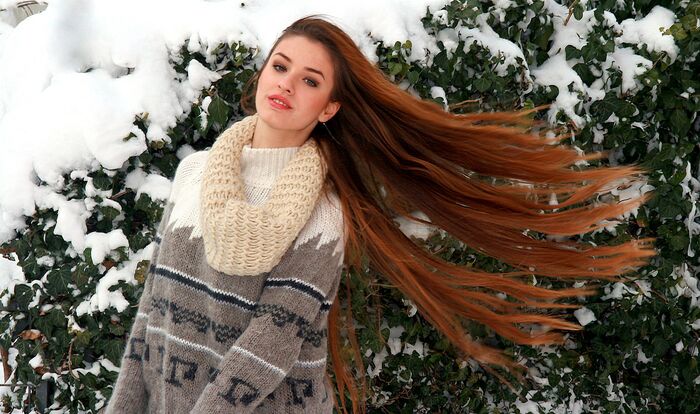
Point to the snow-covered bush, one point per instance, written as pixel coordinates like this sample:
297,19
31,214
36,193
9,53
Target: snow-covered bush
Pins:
100,100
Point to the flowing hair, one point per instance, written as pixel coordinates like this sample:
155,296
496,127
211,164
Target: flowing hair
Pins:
484,178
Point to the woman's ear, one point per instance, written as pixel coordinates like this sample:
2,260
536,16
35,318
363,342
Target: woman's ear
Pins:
330,111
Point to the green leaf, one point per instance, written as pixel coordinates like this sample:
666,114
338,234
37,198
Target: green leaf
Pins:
680,123
571,52
89,380
542,36
80,276
482,84
101,181
218,111
660,345
612,105
113,350
413,77
57,282
609,46
56,318
116,329
109,213
23,295
395,68
677,177
145,157
82,339
143,202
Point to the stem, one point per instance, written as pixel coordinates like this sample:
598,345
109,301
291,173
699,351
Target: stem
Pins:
571,11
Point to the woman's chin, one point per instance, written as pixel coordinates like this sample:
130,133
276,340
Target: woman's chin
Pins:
275,120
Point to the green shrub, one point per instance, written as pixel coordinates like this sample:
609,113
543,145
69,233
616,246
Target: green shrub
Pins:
638,356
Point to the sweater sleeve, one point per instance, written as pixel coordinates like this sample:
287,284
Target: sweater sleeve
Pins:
129,393
295,290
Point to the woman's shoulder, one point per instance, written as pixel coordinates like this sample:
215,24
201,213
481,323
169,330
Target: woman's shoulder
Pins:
188,171
192,161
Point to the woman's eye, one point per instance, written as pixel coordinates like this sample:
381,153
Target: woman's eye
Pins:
313,83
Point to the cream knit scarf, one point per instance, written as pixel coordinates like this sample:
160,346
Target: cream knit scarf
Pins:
246,240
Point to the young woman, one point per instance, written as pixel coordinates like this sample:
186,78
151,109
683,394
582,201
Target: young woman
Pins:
239,307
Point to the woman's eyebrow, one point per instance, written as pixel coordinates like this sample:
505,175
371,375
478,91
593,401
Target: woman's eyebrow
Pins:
305,67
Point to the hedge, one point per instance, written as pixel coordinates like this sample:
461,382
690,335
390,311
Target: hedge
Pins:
638,351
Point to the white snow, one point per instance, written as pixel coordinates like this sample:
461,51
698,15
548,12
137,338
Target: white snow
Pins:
60,64
645,31
37,361
102,243
630,32
394,341
75,76
413,309
11,274
584,316
641,356
414,228
103,297
156,186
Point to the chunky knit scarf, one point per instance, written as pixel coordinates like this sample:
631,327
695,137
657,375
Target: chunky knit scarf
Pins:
242,239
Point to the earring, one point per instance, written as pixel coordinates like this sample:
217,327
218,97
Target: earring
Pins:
331,134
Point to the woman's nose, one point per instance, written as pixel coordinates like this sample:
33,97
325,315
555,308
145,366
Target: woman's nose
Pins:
284,84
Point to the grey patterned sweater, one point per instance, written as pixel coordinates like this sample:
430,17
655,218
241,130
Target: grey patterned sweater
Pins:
209,342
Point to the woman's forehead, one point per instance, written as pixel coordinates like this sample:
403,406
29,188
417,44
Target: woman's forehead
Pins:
304,52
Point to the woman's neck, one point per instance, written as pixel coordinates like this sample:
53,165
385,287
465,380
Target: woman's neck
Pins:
265,136
260,167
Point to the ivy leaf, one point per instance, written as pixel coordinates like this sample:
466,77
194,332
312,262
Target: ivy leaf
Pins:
101,181
660,345
82,339
80,276
395,68
116,329
218,111
612,105
482,84
571,52
89,380
58,281
109,213
680,123
23,295
56,318
113,350
413,77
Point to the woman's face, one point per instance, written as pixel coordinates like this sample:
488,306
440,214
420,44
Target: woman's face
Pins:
300,72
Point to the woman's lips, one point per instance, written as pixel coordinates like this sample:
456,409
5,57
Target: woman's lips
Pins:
277,105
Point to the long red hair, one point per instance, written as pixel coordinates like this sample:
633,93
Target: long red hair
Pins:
483,178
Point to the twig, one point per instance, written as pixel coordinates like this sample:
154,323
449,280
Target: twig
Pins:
7,250
119,194
5,366
571,11
462,103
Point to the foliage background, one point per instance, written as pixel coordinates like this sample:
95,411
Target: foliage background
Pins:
639,355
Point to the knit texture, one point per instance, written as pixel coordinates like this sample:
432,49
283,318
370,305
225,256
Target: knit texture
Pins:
205,341
245,239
